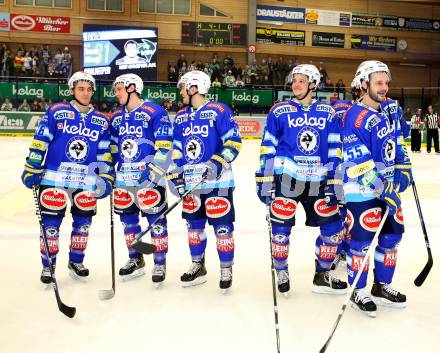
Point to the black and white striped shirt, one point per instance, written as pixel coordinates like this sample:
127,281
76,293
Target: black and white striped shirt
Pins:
415,122
431,120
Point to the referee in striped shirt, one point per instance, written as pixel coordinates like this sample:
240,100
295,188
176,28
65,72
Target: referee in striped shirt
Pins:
432,125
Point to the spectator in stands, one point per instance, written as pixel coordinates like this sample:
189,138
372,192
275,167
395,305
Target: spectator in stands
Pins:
3,49
271,68
215,68
207,69
24,106
181,62
239,83
27,64
6,65
43,104
45,56
183,69
65,68
18,63
247,73
216,83
104,107
281,71
6,106
229,80
35,107
329,86
340,86
266,81
58,61
172,73
323,74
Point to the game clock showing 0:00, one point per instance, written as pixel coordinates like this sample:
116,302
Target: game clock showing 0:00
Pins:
214,34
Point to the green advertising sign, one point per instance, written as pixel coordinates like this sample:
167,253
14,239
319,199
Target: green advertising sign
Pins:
58,92
17,123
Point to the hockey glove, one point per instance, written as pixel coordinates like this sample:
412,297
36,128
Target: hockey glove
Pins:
176,178
151,176
403,176
265,187
329,192
391,197
103,186
215,167
32,174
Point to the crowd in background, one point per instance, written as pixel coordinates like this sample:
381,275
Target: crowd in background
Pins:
35,62
226,74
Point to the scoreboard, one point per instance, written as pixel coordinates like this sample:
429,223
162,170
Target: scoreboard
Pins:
214,34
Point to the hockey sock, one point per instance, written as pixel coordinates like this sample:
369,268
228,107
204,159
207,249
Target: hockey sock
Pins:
355,256
79,238
385,257
159,238
225,244
197,239
327,243
131,228
280,245
52,230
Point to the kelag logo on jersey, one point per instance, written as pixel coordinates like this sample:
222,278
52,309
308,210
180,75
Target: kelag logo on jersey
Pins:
196,130
79,130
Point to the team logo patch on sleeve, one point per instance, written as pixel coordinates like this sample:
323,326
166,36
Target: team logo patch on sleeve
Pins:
370,219
360,118
324,210
283,208
85,201
217,207
123,198
191,204
148,198
54,199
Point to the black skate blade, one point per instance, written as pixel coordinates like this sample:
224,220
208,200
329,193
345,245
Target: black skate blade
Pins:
106,294
144,248
67,310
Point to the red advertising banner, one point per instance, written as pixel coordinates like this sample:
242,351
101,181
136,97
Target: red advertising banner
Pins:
37,23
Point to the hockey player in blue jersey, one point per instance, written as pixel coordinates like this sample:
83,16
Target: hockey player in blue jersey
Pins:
206,141
372,145
141,136
70,144
300,151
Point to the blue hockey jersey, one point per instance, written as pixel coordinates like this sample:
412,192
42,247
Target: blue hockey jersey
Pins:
71,143
200,134
341,106
139,138
372,145
301,141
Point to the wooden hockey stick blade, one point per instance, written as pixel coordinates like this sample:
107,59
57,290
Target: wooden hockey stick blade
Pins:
106,294
422,276
143,248
67,310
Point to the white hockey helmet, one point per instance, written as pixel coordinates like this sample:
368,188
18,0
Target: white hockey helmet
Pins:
182,80
355,83
311,71
81,76
197,78
366,68
130,79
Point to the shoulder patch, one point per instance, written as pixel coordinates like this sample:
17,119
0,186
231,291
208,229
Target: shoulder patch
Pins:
216,105
148,108
360,118
59,105
371,122
341,105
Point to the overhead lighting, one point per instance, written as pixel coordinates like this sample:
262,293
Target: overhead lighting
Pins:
412,64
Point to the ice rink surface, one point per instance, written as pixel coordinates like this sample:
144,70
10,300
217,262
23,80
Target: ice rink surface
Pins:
172,319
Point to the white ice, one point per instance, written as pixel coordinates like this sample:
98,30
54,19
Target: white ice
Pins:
141,318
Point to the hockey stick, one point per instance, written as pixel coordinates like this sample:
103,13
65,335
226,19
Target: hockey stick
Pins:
145,248
105,294
422,276
356,280
66,310
272,270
